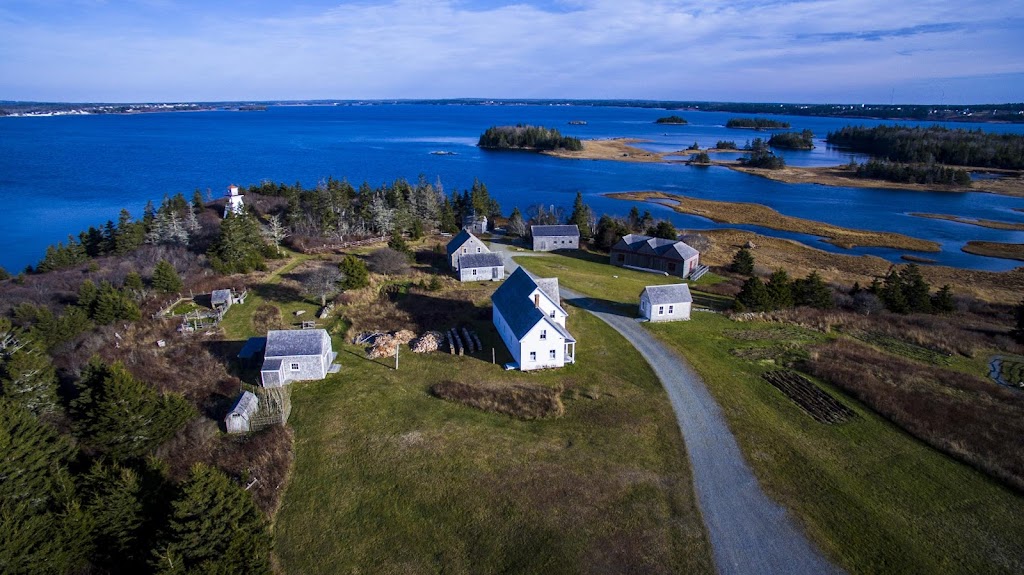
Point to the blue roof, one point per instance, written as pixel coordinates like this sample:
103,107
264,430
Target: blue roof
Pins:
513,301
459,239
252,347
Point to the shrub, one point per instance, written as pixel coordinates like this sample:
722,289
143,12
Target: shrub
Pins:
387,261
522,401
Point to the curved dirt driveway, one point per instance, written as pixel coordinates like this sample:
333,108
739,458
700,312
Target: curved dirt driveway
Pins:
749,533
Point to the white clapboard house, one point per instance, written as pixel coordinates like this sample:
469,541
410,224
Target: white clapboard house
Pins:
666,302
531,321
296,355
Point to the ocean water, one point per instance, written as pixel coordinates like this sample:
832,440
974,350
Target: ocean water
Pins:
62,174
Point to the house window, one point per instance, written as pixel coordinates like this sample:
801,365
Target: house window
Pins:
552,314
543,334
478,250
474,271
661,310
670,308
465,250
533,356
295,367
551,354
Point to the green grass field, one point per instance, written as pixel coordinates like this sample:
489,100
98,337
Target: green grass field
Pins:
389,479
872,497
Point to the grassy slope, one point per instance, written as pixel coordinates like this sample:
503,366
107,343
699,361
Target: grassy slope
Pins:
871,496
390,479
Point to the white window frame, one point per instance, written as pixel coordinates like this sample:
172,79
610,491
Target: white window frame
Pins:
552,314
474,271
543,334
552,354
661,310
670,309
294,366
533,356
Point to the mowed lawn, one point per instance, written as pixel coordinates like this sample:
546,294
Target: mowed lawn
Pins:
389,479
873,498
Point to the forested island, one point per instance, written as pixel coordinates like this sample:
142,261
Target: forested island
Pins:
678,120
524,137
759,155
913,173
934,144
803,140
756,123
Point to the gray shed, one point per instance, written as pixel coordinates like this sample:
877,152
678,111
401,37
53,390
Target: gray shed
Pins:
666,302
239,419
296,355
550,238
483,267
221,299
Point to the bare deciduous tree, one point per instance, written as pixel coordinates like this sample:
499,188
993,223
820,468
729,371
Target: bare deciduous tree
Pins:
276,231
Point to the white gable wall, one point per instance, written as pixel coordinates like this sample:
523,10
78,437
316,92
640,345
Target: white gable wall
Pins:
473,245
663,312
548,307
537,347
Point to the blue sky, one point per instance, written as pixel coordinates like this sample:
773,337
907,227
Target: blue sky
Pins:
848,51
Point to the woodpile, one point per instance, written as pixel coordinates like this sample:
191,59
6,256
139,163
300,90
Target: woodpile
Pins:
384,345
428,342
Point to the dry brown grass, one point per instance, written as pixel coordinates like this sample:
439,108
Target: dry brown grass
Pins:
267,317
965,416
993,224
995,249
799,260
519,400
760,215
611,149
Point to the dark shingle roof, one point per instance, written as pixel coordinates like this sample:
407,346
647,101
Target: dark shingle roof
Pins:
666,294
646,244
459,239
480,261
284,342
542,231
513,301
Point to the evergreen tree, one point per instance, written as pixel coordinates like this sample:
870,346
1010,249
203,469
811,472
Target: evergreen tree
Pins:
112,304
780,290
664,230
119,415
753,296
239,247
116,507
130,235
742,262
215,528
165,278
633,220
398,243
812,291
28,378
942,301
581,216
42,528
4,274
645,221
609,232
892,293
447,222
133,283
87,295
917,289
355,273
197,201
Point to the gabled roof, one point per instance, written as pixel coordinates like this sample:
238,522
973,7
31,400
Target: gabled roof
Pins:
246,405
550,287
513,301
460,238
666,294
542,231
480,261
657,246
562,331
285,342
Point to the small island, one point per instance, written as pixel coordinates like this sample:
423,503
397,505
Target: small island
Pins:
755,124
803,140
675,120
524,137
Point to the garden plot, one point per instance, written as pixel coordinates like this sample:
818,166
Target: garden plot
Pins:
900,347
821,406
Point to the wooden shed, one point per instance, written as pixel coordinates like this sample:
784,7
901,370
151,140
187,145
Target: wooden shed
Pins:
239,419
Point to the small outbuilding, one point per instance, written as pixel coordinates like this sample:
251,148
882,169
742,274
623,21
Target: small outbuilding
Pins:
296,355
666,302
481,267
550,238
464,243
475,224
239,419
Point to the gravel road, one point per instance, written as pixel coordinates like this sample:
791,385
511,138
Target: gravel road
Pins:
750,533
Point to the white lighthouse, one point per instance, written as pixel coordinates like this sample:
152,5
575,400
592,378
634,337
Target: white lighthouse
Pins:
234,204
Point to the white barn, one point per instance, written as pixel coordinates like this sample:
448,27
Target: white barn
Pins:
464,243
666,302
239,419
481,267
550,238
531,321
296,355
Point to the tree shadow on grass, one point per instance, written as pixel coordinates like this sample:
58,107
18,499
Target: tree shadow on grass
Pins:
278,293
603,306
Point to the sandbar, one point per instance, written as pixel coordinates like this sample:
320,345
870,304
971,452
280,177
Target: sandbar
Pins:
993,224
995,250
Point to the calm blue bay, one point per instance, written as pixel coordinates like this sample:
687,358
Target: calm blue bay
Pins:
59,175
